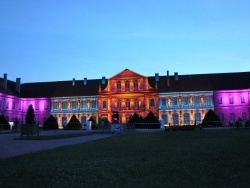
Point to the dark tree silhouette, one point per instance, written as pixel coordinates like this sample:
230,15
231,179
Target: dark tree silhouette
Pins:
51,123
211,119
30,116
4,124
151,121
74,123
135,120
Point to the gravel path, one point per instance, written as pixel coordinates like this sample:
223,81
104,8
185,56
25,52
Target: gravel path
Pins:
10,147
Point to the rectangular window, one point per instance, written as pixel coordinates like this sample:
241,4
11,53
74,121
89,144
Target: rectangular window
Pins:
164,102
54,105
152,102
135,85
104,104
136,104
208,100
174,101
185,101
219,100
244,116
19,105
74,105
127,103
64,105
232,117
7,104
231,100
197,116
83,104
118,86
37,105
127,86
45,106
119,104
196,101
93,104
13,105
242,100
221,116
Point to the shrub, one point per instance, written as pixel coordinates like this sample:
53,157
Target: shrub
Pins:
135,121
30,116
51,123
151,122
211,119
74,123
4,124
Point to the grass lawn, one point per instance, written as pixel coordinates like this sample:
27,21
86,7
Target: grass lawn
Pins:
52,137
157,159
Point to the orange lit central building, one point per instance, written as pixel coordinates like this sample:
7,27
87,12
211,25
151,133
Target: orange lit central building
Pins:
127,93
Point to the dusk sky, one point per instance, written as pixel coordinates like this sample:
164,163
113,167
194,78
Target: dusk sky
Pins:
55,40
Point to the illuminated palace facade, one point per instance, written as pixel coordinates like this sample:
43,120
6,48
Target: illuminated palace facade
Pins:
176,99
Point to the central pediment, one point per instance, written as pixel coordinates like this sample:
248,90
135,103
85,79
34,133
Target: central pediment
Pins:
126,74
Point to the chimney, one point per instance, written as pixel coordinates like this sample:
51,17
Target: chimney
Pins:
18,84
5,81
176,78
85,81
157,77
168,78
73,82
103,80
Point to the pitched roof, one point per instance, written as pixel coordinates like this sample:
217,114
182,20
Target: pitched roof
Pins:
61,88
11,88
203,82
197,82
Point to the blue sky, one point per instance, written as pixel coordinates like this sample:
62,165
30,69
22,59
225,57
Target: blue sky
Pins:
53,40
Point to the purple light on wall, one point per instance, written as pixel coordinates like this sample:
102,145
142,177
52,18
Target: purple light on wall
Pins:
231,103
